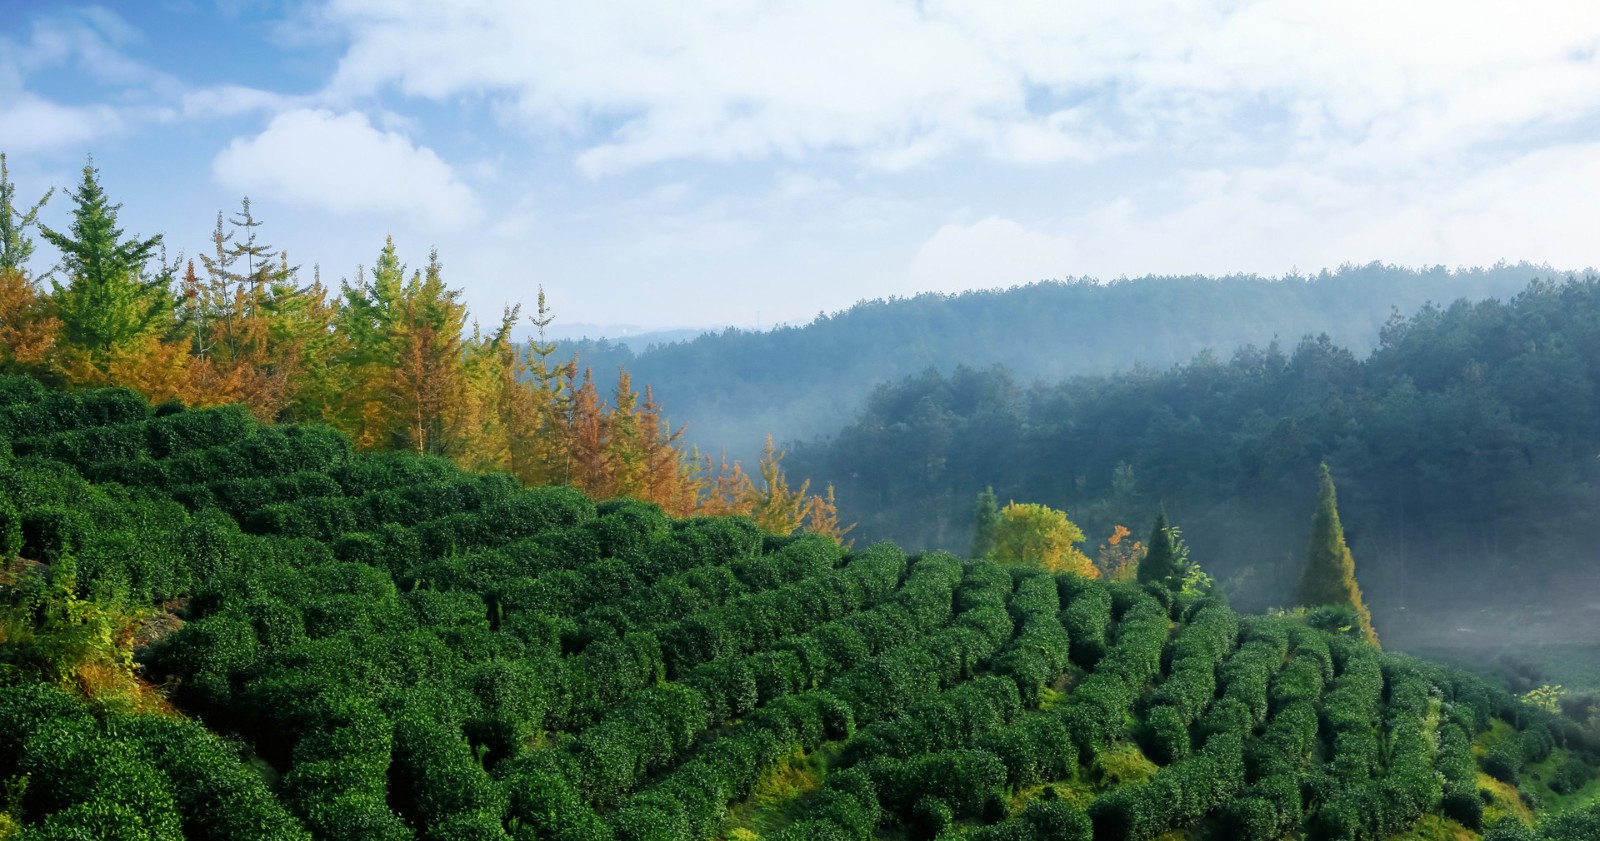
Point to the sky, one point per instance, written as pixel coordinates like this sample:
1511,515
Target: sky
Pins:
736,162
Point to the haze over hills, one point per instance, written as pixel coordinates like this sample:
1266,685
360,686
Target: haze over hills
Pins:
734,387
1465,444
635,337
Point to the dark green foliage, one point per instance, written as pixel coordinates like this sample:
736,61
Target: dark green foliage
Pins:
1087,618
1510,828
1266,810
49,533
416,652
1572,775
1535,742
217,797
1160,565
1573,825
10,530
1503,763
1165,736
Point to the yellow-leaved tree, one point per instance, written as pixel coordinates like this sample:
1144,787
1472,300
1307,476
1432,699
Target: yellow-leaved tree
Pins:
1030,534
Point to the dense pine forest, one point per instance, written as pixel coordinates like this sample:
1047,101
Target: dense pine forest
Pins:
798,382
284,561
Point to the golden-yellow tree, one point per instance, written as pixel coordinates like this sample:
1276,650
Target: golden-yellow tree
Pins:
772,503
822,517
27,329
1029,534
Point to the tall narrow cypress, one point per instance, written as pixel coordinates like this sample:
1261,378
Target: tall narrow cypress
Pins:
1160,564
985,520
1329,577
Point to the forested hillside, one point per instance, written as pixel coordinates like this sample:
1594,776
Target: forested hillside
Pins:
802,381
382,646
1465,445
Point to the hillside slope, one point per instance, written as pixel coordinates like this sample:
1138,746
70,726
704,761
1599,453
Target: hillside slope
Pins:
383,646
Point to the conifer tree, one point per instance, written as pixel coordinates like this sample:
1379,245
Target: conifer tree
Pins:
985,519
107,300
627,456
586,438
27,330
723,486
536,406
773,504
669,477
367,318
1161,564
1329,577
822,517
15,244
426,391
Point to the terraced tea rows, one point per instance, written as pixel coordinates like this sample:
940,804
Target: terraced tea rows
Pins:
386,647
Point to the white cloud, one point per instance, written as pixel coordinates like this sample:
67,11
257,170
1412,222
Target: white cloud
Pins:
341,163
992,252
232,101
1272,220
31,124
900,83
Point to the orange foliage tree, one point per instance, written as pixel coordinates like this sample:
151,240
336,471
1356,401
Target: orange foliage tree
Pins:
1118,558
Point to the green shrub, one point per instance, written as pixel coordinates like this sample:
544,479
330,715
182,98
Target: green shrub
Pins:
1087,618
1572,775
11,542
1055,819
1503,763
1165,736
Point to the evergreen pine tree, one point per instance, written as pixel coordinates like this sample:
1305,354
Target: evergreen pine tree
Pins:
107,300
1329,577
985,520
15,245
1161,564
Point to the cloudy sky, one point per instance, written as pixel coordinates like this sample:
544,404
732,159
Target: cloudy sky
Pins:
763,161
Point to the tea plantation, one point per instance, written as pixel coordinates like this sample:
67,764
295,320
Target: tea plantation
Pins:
215,629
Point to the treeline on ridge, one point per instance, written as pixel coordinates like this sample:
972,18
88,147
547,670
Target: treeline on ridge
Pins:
805,380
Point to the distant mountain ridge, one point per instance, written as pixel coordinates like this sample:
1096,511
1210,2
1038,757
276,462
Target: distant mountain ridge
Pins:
797,383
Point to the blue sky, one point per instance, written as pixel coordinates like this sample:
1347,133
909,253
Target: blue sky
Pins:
730,162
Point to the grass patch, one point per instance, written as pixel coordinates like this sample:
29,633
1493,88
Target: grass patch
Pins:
1435,828
1122,764
1488,740
1506,801
1076,792
780,794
